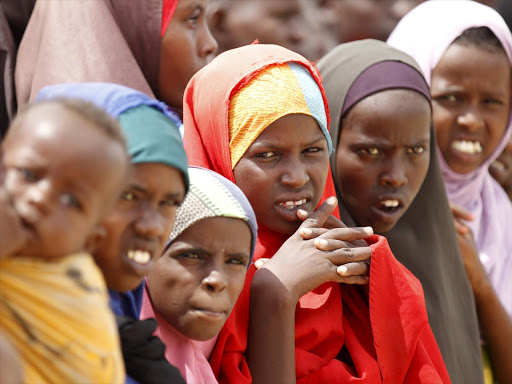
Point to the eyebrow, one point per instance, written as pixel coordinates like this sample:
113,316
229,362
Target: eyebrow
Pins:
274,146
138,188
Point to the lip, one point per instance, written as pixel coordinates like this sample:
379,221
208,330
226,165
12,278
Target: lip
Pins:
388,215
210,314
290,213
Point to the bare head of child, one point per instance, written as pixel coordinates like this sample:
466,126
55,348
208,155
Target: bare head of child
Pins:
65,162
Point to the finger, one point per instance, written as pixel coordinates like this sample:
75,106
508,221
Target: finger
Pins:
311,233
349,255
354,269
318,218
347,234
359,280
461,228
460,212
334,222
260,262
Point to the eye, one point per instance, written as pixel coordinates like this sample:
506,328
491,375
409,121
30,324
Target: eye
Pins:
370,151
448,98
128,196
71,201
193,19
314,150
170,203
265,155
237,260
416,150
27,174
492,101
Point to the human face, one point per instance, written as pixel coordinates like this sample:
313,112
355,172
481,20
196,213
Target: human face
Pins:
383,156
185,48
198,279
294,24
501,169
139,225
62,180
471,104
367,19
283,170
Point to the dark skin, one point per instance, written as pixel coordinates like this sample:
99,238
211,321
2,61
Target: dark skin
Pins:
13,236
271,345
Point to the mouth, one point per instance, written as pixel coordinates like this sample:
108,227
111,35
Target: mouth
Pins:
292,204
467,147
389,205
139,258
210,314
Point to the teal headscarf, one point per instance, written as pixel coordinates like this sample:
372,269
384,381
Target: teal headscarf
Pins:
150,127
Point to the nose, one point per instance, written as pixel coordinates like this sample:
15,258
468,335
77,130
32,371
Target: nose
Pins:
207,45
394,175
295,174
214,282
39,195
471,119
149,223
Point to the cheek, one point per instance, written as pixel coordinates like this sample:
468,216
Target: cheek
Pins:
418,172
236,284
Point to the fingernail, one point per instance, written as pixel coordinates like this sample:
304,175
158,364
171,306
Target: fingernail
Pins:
258,263
368,230
342,270
321,242
306,231
331,200
303,212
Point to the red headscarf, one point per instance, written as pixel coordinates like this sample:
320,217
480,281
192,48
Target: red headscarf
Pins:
168,8
389,339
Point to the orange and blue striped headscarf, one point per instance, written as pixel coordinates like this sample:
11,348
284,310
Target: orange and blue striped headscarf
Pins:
275,92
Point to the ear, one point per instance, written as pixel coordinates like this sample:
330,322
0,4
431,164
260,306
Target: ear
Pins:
95,239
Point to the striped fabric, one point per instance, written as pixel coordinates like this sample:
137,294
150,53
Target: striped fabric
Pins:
273,93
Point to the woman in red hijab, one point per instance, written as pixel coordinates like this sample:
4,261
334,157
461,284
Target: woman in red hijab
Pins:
258,116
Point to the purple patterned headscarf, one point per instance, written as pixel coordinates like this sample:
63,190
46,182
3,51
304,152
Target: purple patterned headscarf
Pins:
426,33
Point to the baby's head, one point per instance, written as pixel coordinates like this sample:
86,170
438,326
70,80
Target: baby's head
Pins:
65,163
196,282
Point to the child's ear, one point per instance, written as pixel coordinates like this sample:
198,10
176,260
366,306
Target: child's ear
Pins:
95,239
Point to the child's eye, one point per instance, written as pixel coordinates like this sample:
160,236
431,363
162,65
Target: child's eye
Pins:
416,150
170,203
27,174
194,17
237,260
265,155
449,98
71,201
128,196
313,150
493,101
370,151
190,256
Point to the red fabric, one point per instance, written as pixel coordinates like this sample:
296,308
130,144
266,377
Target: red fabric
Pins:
168,9
389,339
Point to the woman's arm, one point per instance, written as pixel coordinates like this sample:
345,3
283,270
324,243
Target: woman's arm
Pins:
296,269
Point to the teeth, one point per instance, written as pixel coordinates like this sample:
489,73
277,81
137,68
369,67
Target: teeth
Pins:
465,146
140,257
390,203
293,204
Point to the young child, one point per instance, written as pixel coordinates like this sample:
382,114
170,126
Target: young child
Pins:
139,225
384,141
65,164
195,284
258,115
467,60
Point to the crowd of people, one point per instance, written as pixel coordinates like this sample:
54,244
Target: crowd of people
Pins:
253,191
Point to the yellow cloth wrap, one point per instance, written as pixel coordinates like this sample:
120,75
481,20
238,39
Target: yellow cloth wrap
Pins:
57,315
268,96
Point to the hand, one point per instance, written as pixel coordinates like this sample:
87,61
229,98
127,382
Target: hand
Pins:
144,354
12,235
303,264
460,214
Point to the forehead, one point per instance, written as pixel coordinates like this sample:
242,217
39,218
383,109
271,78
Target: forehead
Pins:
493,67
283,7
389,114
291,128
59,139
